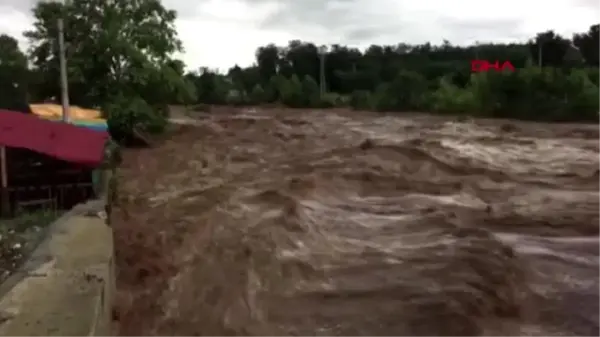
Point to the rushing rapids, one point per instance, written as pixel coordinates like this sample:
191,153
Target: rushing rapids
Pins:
343,223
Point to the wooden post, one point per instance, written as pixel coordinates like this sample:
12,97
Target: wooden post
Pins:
5,206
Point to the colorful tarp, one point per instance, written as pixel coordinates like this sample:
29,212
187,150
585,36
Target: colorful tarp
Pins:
59,140
88,118
98,125
55,111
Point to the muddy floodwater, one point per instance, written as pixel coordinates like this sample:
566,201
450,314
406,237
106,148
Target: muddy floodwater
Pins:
284,222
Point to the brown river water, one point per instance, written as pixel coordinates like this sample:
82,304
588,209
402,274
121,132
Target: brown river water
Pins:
283,222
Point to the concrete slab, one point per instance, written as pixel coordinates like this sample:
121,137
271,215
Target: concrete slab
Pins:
66,287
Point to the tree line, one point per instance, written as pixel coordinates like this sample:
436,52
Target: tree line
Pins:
554,78
120,59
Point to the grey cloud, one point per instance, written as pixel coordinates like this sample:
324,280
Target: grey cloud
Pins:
354,22
456,32
592,4
322,13
472,30
357,21
365,21
358,35
185,8
391,33
23,6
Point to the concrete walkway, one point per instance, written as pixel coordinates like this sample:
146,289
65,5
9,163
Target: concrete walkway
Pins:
66,287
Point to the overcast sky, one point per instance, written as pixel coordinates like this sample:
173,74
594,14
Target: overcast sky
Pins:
221,33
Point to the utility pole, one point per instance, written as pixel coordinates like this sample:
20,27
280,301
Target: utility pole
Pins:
540,53
64,83
322,53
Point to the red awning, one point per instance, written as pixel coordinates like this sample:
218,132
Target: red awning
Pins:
59,140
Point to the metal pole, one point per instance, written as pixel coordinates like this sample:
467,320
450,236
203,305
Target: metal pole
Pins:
322,52
322,79
64,83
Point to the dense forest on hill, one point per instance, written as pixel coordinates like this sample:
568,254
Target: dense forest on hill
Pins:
133,77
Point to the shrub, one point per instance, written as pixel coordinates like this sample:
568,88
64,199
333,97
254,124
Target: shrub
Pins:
131,119
361,100
452,99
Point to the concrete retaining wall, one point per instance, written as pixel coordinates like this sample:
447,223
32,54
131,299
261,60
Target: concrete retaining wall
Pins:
67,285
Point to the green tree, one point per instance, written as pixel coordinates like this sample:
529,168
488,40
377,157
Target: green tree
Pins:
210,87
267,59
549,48
14,75
310,92
115,49
589,45
290,92
257,95
361,100
405,92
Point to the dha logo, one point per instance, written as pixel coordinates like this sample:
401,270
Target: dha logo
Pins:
483,66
